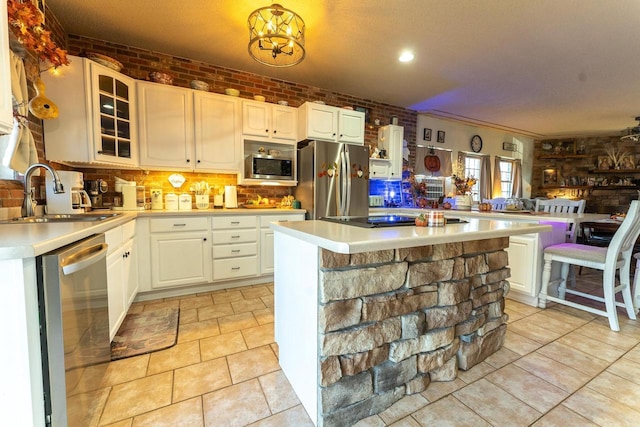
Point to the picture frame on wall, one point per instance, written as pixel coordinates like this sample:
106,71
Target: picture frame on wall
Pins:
427,134
440,137
550,177
366,111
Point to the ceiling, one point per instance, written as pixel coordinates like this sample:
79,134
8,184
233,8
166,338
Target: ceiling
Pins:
543,68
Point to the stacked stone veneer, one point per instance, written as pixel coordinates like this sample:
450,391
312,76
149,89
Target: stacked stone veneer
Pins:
392,321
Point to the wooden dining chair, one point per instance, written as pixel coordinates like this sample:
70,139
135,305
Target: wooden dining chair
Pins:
562,206
497,204
617,257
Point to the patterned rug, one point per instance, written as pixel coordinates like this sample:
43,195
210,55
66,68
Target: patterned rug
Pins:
146,332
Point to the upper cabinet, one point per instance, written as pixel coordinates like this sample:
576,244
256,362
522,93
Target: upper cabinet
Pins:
188,130
96,125
327,123
6,108
269,122
390,140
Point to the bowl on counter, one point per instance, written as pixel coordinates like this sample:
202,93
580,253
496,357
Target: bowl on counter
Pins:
161,77
199,85
232,92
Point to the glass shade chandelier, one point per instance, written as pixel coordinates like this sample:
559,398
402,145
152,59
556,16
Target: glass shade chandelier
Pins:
276,36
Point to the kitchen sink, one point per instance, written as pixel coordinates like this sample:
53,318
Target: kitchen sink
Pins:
61,218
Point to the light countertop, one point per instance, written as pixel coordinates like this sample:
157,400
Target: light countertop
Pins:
349,239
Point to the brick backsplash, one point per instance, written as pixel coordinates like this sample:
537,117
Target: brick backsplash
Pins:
139,62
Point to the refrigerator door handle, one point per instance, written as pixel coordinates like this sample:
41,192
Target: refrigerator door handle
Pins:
347,177
340,187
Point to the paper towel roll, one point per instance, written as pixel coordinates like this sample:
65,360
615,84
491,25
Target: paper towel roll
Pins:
230,196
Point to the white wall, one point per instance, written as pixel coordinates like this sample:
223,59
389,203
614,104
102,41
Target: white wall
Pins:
458,138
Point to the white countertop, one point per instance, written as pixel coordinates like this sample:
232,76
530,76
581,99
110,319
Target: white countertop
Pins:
34,239
347,239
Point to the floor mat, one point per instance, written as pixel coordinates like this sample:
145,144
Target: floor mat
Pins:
146,332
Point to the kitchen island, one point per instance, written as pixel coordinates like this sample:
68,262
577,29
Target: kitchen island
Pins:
365,316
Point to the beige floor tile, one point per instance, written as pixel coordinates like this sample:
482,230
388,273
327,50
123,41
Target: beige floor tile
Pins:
406,422
627,369
617,388
436,391
536,392
184,414
123,423
296,416
84,409
536,332
158,304
559,317
278,392
563,416
247,305
268,301
235,406
554,372
276,349
605,335
502,357
514,315
495,405
196,302
198,330
134,398
577,359
372,421
227,297
601,409
201,378
448,412
475,373
222,345
592,346
258,336
252,364
174,357
215,311
264,316
117,372
256,292
633,355
403,407
519,307
581,314
519,344
237,322
188,316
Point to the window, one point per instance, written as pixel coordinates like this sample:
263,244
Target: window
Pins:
472,168
506,174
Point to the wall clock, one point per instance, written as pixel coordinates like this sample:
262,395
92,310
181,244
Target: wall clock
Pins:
476,143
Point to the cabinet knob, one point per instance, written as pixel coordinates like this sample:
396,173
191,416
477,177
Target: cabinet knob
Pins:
197,161
188,160
340,135
333,134
266,130
275,131
204,239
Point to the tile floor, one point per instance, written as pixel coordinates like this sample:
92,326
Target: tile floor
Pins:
558,367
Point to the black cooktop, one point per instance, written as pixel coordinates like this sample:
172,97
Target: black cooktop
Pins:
380,221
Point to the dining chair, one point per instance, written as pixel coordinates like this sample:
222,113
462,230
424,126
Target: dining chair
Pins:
497,204
617,257
562,206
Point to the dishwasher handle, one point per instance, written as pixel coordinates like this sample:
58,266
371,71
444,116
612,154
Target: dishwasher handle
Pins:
84,258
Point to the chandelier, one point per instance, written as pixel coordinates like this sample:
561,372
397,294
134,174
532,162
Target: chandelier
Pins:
632,134
276,36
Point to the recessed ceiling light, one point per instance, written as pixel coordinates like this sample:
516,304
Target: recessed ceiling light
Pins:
406,56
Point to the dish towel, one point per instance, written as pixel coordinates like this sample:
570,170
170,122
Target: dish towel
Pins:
18,149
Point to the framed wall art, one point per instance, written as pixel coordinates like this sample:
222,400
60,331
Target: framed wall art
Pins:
427,134
550,177
440,137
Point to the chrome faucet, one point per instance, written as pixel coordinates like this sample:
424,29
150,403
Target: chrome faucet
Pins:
27,204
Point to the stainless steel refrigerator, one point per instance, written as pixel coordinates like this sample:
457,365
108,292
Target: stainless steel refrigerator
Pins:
333,179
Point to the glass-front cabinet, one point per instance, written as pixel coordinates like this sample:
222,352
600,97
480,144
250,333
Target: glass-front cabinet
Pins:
96,125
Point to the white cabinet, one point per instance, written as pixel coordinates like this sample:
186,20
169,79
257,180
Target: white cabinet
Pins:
122,273
379,168
390,139
266,239
266,122
327,123
235,246
188,130
96,125
6,106
179,251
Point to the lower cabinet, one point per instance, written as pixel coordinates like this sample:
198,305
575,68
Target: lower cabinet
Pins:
235,246
266,239
122,273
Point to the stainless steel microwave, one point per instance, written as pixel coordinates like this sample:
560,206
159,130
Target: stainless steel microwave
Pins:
262,166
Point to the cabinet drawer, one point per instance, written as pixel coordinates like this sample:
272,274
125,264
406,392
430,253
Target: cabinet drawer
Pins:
234,236
223,222
128,230
235,267
178,224
231,251
266,219
113,238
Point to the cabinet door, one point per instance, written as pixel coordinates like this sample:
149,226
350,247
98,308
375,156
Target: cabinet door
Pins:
114,126
130,272
322,122
350,126
266,251
6,109
285,123
395,151
179,259
256,119
115,291
165,116
523,256
217,132
379,168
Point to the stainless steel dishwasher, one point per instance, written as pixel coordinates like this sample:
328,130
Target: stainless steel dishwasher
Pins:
74,330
